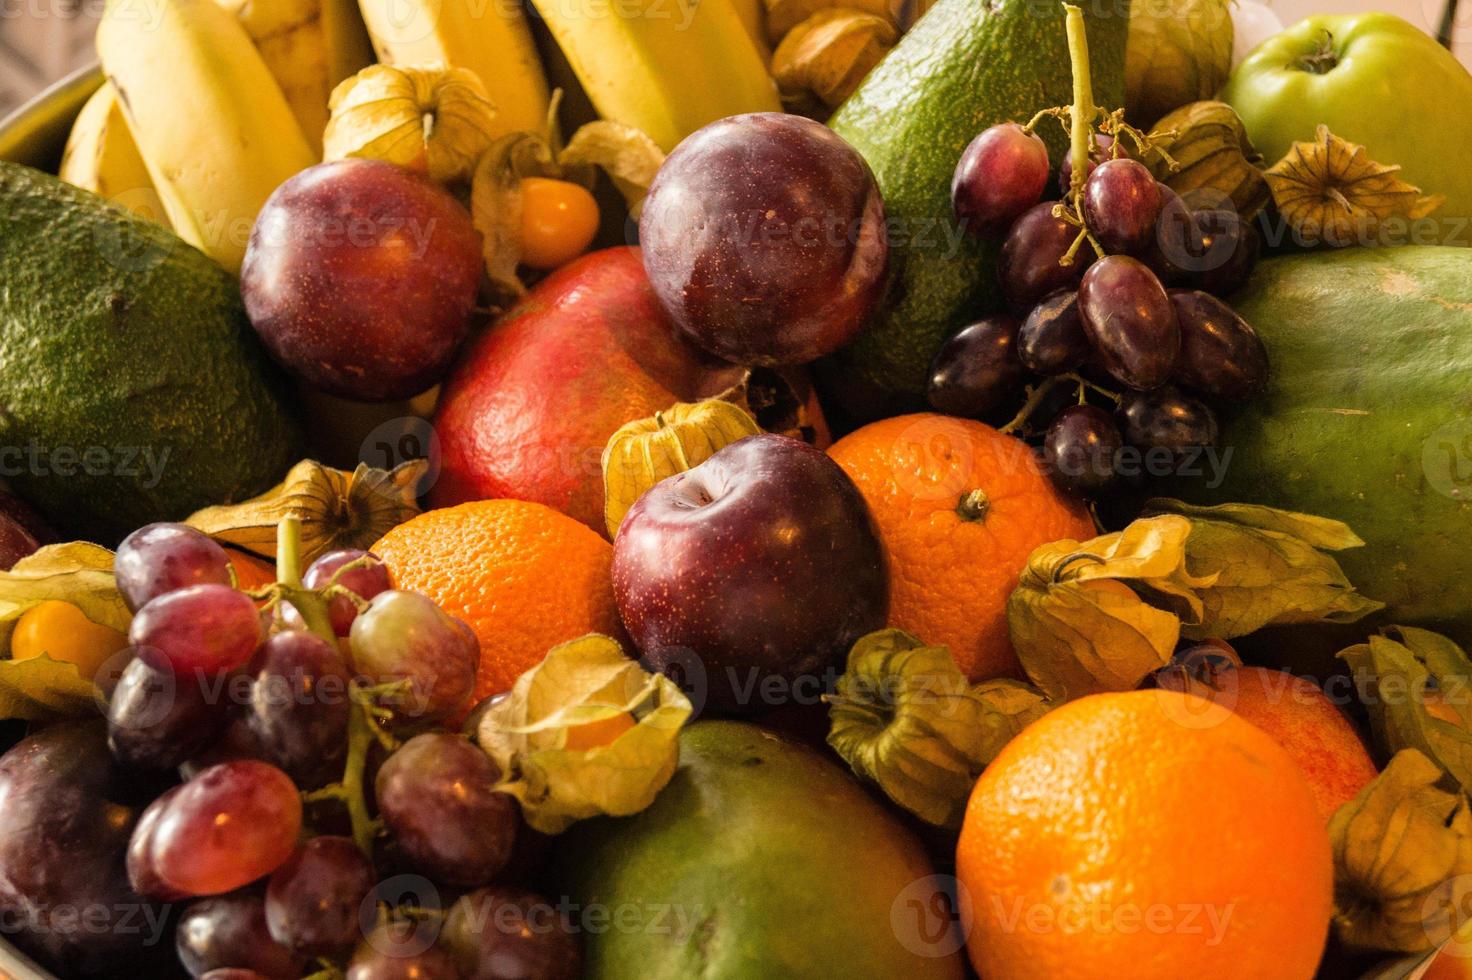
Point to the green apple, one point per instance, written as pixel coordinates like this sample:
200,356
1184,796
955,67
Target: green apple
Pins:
1372,79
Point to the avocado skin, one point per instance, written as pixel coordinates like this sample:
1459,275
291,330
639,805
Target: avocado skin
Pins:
1367,419
116,334
767,859
964,66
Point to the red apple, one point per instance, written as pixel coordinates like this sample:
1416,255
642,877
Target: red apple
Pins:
360,278
755,569
527,411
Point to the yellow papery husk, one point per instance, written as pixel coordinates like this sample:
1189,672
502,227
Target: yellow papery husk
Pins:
433,119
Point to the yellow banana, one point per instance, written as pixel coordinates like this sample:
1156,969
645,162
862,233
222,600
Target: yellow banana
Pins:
101,157
306,44
753,14
490,37
211,123
666,67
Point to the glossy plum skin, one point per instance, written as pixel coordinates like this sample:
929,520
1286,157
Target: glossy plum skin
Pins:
62,841
764,238
360,278
761,562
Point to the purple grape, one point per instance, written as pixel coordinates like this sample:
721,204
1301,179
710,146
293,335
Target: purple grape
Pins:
366,581
299,706
202,628
1101,150
1221,354
1121,203
156,719
1225,271
230,932
314,900
399,950
1001,174
436,795
1176,243
404,636
1080,450
977,370
1166,419
1051,339
159,558
500,933
1029,268
1130,321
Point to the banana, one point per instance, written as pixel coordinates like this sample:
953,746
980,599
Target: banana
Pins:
666,67
309,46
489,37
214,129
101,157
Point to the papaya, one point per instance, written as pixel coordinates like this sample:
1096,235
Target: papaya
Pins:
1367,418
760,858
964,66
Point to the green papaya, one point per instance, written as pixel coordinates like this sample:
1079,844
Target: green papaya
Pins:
1367,418
134,387
761,858
964,66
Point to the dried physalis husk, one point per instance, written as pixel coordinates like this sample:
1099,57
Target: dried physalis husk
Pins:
1402,860
434,119
1417,687
1100,615
826,56
336,509
629,157
40,688
904,716
1210,150
782,16
586,732
646,451
1330,192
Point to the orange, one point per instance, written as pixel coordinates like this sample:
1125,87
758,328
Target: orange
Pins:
1151,834
960,507
1300,717
522,575
250,572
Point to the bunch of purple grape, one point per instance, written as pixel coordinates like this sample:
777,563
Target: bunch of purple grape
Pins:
282,858
1139,332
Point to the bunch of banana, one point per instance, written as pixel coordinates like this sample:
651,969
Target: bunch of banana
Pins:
489,37
309,46
666,69
101,157
210,121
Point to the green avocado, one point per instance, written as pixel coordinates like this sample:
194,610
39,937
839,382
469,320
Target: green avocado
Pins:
966,65
1367,418
132,388
760,859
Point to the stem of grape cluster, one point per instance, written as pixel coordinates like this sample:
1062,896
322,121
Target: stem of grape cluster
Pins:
1081,118
311,605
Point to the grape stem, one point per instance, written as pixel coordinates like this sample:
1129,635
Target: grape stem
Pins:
311,605
1083,111
1036,395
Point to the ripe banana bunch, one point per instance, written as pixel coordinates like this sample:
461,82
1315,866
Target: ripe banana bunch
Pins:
667,70
211,122
489,37
309,46
101,157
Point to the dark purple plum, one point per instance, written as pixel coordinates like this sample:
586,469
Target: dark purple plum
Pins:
360,278
764,238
